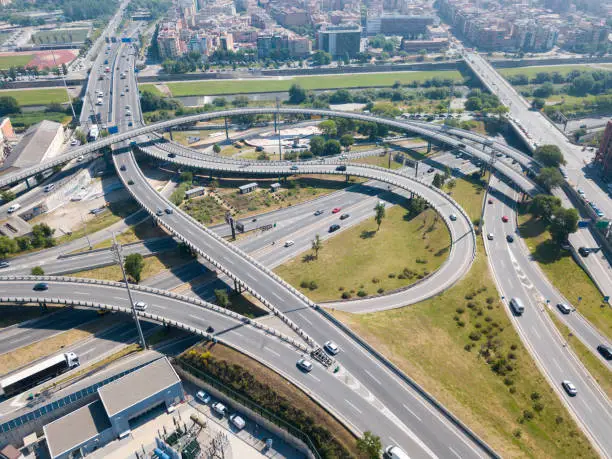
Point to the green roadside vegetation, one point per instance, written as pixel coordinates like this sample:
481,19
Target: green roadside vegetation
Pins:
16,313
259,384
27,97
461,347
363,261
22,121
563,272
595,367
15,61
136,233
378,160
150,87
533,71
152,265
10,361
359,80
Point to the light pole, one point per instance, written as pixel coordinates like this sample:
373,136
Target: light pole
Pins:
118,256
86,233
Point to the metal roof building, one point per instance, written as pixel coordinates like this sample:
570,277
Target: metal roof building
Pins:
120,406
41,141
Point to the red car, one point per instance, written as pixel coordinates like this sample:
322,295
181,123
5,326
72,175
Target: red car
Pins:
335,210
504,219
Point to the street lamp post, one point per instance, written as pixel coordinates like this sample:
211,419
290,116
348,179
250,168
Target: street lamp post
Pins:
484,202
118,256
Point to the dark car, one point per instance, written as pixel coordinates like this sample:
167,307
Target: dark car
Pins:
123,167
510,238
605,351
341,168
171,155
258,148
318,212
210,329
430,170
584,251
344,216
41,286
334,227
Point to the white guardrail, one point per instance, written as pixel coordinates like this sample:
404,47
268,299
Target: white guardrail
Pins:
141,288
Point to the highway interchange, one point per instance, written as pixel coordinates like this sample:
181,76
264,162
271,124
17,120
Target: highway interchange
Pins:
378,397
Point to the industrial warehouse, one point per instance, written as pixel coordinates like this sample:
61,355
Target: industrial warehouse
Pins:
121,404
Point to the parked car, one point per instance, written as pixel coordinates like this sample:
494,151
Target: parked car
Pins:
219,408
237,421
203,397
569,388
304,365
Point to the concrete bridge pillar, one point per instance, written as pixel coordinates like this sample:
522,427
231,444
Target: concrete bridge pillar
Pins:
226,128
428,146
170,130
28,186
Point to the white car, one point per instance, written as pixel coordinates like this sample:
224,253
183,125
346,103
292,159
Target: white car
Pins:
237,421
219,408
49,187
289,243
569,388
203,397
490,236
304,365
140,306
331,347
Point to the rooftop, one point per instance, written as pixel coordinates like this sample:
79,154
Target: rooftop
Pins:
137,386
33,146
70,431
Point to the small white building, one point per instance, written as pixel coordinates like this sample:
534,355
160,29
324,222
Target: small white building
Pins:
244,189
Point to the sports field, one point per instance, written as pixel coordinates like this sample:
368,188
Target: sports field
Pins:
356,80
533,71
15,61
37,96
60,36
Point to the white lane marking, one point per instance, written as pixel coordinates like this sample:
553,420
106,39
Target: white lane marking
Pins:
160,307
237,333
17,340
277,297
89,351
353,406
557,364
454,452
535,332
271,351
586,405
411,412
394,441
314,377
119,298
300,314
373,377
81,293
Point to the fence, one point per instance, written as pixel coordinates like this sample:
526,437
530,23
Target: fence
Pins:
248,403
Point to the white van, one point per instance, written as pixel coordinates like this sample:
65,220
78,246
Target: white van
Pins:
517,306
395,452
14,208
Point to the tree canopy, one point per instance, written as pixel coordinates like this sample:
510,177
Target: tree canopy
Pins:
550,177
549,155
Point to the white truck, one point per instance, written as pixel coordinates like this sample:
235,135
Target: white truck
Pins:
94,132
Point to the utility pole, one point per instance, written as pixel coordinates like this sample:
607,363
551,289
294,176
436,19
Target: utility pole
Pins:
118,256
450,97
61,71
280,148
484,202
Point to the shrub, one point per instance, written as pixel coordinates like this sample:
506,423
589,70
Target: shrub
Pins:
490,300
512,356
537,407
362,293
559,420
346,295
513,347
508,381
468,348
380,290
461,323
475,336
512,389
488,319
527,415
477,325
460,310
313,285
517,432
304,284
535,396
375,280
391,275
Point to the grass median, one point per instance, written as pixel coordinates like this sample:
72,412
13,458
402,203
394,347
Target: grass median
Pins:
363,261
355,80
567,276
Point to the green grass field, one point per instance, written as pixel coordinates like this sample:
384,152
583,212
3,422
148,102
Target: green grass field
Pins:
27,97
15,61
62,36
565,274
362,259
150,87
22,121
533,71
430,342
361,80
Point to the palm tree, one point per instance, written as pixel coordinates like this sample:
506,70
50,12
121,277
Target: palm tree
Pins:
317,244
379,214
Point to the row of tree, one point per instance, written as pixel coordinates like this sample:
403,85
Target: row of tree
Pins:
41,237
